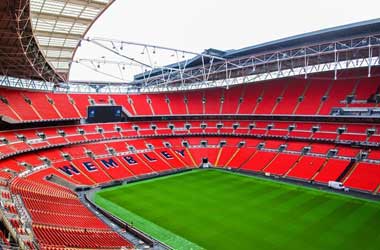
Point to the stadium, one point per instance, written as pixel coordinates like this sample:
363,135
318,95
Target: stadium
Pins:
271,146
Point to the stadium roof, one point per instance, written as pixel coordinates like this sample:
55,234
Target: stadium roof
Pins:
59,25
38,38
315,37
298,41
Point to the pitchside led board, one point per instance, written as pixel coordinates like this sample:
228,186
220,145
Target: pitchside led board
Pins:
105,113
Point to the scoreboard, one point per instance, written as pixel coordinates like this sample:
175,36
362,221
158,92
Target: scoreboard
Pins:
105,113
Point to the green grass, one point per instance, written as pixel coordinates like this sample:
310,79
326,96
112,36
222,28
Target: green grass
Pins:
218,210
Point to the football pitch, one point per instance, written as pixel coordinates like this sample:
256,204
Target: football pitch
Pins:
213,209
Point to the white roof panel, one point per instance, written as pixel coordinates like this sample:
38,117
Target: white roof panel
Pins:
59,25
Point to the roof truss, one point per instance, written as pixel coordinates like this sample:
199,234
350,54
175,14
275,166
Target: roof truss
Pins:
59,25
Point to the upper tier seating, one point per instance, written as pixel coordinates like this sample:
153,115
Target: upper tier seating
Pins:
278,97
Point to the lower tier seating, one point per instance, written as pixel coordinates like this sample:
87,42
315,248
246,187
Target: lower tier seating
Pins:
60,220
306,167
332,170
62,238
366,176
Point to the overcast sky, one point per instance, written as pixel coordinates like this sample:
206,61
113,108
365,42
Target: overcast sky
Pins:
221,24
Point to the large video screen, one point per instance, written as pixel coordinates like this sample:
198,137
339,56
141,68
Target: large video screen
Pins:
97,114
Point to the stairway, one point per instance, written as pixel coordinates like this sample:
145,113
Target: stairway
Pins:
293,166
282,97
274,158
326,94
376,190
320,169
303,95
347,171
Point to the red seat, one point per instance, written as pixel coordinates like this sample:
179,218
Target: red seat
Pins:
306,167
366,177
259,161
331,171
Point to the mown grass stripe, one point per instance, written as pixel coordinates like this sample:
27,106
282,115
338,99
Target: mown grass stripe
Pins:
146,226
221,210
